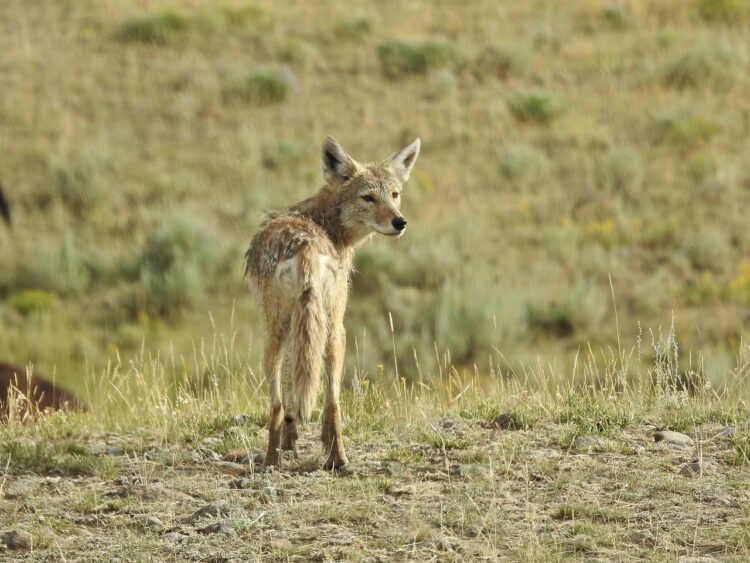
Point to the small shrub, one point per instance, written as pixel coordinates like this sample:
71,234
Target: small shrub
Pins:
617,16
398,58
154,28
56,267
621,170
522,163
725,11
684,127
536,106
244,14
177,260
443,83
708,249
266,85
30,301
701,64
296,52
78,176
502,61
741,443
355,27
578,310
288,152
711,177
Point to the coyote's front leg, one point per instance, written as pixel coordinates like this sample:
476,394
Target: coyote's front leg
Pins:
333,441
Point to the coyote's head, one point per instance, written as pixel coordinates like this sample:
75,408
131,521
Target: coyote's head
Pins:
368,195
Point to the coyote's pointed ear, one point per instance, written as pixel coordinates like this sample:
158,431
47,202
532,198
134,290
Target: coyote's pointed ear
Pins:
337,165
401,162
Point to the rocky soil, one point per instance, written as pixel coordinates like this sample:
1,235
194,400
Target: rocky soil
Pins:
460,490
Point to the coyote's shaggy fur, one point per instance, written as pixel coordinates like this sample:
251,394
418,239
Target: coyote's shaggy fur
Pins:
301,261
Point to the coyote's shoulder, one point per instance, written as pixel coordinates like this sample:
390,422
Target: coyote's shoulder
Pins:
280,238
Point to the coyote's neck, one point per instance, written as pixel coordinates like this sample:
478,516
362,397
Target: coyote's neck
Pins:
324,208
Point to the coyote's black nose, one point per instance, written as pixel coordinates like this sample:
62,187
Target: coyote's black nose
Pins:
399,223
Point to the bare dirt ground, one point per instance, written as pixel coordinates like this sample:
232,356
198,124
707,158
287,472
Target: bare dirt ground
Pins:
447,489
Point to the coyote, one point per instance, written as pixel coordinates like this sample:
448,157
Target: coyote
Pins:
301,261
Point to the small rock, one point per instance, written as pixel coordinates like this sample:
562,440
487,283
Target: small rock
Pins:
456,470
282,544
241,484
257,459
174,537
153,522
203,453
212,509
726,432
16,538
211,441
447,544
644,538
394,469
541,453
447,423
267,495
79,532
19,488
673,438
97,448
218,528
587,443
232,468
692,469
240,419
506,421
475,471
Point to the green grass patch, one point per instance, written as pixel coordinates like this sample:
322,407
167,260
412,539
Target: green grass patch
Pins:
398,58
685,127
601,514
446,440
355,27
31,301
502,61
55,458
405,456
536,106
723,11
265,85
594,415
157,28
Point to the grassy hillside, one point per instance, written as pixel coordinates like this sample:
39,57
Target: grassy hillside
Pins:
565,145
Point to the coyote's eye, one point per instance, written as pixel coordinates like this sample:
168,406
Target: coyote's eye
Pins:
368,198
395,195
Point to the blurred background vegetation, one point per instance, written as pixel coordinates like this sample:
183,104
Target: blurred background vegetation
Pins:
564,144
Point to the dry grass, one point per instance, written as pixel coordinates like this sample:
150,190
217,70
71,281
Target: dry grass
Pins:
164,444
